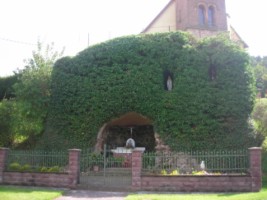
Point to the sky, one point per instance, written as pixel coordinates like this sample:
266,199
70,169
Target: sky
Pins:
77,24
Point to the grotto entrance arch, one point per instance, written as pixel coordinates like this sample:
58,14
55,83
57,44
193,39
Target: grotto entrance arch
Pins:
130,125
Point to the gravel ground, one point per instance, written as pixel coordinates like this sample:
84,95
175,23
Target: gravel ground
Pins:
92,195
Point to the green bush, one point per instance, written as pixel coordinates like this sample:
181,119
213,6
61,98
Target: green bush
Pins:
7,135
54,169
213,91
259,118
6,86
26,168
14,166
44,169
115,162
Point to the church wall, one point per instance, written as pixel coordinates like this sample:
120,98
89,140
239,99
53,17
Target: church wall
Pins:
203,33
165,22
187,17
220,14
181,14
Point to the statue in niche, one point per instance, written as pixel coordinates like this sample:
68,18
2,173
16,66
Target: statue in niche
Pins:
168,80
169,83
130,143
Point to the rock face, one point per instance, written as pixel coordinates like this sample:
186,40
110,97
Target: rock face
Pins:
167,159
116,136
160,146
179,161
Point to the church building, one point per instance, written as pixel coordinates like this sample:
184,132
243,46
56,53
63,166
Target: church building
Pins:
202,18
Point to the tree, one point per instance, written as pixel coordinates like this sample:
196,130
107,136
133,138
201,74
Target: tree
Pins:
260,72
259,115
6,87
6,133
32,91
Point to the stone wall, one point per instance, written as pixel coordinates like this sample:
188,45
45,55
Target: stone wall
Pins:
37,179
200,183
182,183
70,179
197,183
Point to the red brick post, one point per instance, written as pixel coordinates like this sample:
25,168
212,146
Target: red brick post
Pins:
74,167
255,168
3,157
136,169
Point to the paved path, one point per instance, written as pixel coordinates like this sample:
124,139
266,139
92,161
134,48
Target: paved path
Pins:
92,195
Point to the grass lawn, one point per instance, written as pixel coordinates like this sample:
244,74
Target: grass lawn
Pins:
28,193
262,195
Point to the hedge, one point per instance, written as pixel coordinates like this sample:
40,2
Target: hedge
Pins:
208,107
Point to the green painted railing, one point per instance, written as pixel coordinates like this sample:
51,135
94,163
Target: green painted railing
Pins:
33,160
189,162
90,159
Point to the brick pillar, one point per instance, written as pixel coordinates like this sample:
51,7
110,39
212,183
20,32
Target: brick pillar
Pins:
255,168
136,169
74,167
3,157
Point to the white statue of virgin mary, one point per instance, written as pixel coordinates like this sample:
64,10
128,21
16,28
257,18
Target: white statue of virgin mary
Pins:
169,83
130,143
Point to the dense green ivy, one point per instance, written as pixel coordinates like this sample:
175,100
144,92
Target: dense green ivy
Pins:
105,81
6,86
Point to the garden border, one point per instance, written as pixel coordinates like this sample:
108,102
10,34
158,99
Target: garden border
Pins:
250,182
182,183
70,179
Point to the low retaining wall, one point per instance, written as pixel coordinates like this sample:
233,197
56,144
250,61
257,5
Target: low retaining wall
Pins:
69,179
37,179
183,183
198,183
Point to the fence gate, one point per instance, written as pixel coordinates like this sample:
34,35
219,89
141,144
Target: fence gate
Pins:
111,169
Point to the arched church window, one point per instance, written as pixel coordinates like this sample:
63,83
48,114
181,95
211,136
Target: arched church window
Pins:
211,16
201,15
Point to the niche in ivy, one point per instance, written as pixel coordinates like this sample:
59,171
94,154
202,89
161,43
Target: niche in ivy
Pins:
212,72
168,80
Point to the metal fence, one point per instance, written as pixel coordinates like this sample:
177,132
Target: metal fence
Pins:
110,168
33,160
106,159
196,162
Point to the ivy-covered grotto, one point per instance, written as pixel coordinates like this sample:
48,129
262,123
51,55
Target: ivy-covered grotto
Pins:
165,89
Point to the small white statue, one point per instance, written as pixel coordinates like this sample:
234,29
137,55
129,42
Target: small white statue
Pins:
169,83
130,143
202,165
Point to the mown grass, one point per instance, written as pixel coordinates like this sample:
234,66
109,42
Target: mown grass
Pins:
262,195
28,193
